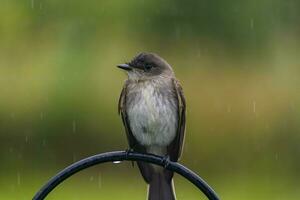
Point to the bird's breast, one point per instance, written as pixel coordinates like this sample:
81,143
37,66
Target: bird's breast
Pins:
152,113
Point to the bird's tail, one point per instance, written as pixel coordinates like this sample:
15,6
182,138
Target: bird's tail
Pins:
161,188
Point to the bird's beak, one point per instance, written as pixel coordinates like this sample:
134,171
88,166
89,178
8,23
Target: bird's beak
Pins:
124,66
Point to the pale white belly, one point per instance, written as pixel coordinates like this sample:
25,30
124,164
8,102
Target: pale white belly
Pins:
153,118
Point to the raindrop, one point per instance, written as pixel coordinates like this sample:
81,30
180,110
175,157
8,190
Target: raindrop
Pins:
254,106
74,126
251,23
26,139
41,115
91,178
32,4
44,142
117,162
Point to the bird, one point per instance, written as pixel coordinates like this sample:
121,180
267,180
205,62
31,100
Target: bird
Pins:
153,110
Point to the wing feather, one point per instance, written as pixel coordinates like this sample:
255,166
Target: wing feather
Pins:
175,148
122,111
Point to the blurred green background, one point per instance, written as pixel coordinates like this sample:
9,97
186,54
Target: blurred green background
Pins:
238,62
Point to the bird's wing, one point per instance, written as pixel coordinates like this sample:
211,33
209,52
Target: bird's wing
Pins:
122,111
175,148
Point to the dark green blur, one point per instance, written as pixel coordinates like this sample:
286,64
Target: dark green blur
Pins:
239,65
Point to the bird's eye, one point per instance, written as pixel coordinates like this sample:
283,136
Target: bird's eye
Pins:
148,66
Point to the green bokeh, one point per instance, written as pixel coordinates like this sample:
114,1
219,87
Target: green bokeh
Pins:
238,62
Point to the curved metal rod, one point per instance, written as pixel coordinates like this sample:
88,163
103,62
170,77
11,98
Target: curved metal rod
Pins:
120,156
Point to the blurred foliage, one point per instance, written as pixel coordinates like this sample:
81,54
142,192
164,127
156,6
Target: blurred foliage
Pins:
238,62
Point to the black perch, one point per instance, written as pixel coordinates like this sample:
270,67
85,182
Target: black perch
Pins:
130,156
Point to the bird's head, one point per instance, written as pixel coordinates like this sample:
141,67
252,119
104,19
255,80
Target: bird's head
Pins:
147,66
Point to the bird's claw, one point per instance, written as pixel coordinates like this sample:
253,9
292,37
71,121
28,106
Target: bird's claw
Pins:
128,151
166,161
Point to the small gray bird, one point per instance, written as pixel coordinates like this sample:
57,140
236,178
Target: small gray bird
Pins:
152,107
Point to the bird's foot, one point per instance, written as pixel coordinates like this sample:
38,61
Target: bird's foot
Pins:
128,151
166,161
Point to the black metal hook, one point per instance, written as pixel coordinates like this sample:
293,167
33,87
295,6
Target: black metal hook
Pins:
120,156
